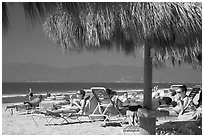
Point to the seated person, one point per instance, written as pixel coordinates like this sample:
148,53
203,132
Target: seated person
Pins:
120,101
76,105
35,102
182,101
182,104
124,100
48,94
158,93
113,96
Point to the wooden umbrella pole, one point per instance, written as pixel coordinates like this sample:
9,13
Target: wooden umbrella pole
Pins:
147,77
148,123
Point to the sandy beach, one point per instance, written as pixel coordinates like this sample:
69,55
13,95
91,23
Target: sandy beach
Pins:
24,125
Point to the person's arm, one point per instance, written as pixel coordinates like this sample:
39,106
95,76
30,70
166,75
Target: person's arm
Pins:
80,106
76,103
184,104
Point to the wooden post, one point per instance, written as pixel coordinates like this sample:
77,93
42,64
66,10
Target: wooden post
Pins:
147,77
148,123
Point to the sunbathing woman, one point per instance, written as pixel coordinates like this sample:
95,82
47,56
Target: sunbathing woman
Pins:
76,105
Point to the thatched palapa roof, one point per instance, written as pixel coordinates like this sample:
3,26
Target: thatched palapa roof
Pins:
173,29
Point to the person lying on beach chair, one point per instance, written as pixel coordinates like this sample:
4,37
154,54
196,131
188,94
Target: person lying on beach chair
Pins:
76,105
74,111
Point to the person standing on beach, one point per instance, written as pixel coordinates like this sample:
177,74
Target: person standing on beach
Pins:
30,94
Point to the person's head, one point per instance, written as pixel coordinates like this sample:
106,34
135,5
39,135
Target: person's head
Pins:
41,97
109,91
29,91
81,93
155,88
181,91
125,94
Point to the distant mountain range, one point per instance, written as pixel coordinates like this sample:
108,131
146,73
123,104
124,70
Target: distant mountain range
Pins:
16,72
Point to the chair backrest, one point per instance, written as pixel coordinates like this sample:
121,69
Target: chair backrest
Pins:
194,91
192,95
101,95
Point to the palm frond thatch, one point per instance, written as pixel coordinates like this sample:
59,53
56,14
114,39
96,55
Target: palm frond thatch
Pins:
38,11
173,29
5,20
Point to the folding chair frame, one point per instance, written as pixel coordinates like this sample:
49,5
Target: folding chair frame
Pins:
100,105
64,116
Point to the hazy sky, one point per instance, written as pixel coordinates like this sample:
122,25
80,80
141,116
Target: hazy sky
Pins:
24,44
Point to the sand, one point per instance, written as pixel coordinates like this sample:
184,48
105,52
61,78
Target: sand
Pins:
24,125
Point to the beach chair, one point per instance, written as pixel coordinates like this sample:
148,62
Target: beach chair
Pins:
195,92
21,108
29,107
105,106
63,118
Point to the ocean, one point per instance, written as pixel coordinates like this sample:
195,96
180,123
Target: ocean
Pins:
13,92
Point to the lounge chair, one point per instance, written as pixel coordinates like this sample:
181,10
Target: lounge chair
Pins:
195,92
105,106
195,110
11,108
63,117
26,107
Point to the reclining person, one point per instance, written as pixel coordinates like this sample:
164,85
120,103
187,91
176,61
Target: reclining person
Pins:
76,105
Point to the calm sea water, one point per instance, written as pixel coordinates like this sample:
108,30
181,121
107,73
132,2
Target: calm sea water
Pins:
15,92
